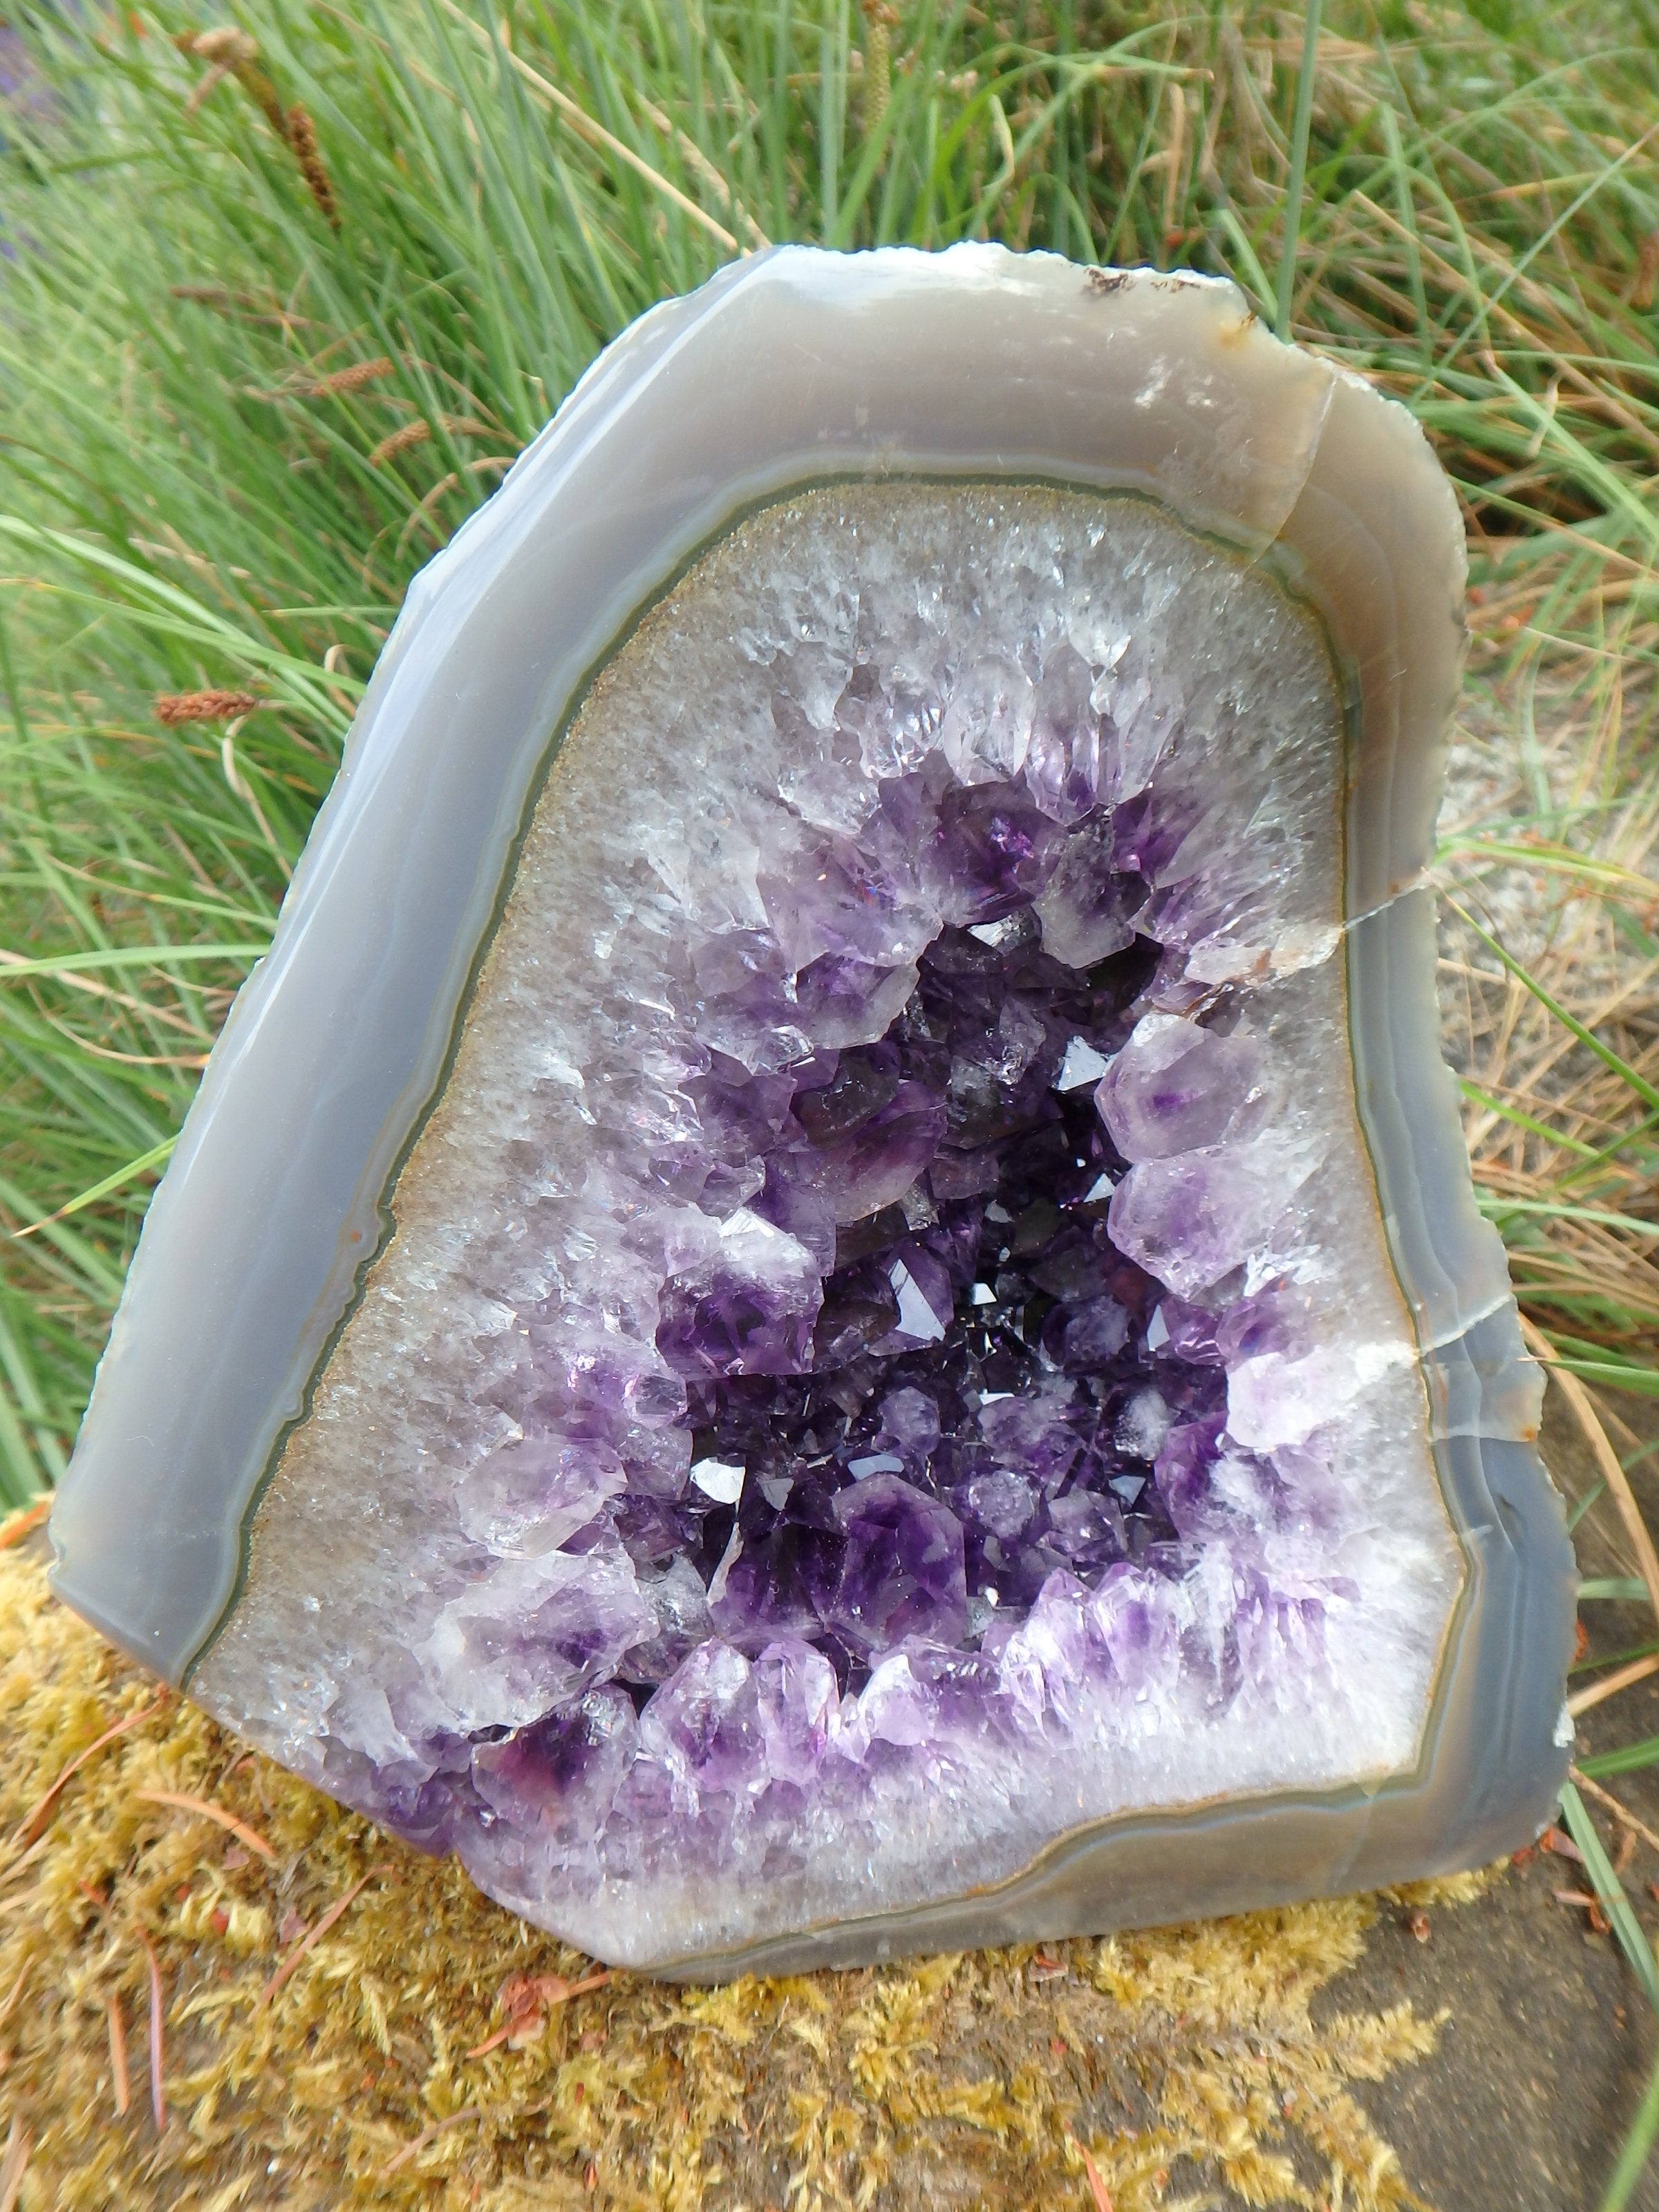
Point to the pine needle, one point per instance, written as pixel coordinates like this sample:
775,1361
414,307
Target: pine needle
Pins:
200,1806
1623,1678
313,1935
158,2106
120,2086
35,1820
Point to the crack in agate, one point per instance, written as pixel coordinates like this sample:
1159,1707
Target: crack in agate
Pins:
888,1352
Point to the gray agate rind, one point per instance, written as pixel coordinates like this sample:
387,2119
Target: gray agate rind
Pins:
795,368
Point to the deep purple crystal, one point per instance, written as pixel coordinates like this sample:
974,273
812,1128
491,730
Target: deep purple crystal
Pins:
901,1574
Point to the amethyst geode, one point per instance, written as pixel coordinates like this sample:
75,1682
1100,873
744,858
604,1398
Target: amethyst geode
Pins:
930,1371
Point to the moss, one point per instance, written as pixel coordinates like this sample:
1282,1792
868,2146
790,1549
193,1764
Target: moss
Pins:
977,2079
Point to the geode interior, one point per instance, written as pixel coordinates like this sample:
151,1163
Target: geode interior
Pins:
888,1353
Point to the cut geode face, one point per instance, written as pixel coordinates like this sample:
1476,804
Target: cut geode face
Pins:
892,1410
888,1350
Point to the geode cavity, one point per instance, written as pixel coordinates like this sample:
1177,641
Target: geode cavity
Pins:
872,1332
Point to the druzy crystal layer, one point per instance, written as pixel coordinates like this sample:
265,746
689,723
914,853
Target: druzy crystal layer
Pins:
888,1353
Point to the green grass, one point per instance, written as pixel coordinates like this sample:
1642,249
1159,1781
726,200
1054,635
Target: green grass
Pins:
1463,204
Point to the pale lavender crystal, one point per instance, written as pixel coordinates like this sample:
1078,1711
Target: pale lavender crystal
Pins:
800,1702
1086,908
704,1724
1176,1088
534,1496
539,1632
1191,1219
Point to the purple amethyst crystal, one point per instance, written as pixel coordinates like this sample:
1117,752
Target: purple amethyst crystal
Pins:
1178,1087
901,1574
554,1783
704,1724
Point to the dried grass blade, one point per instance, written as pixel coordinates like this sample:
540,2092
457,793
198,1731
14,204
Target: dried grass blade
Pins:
240,1829
1615,1806
1610,1685
595,134
23,1523
697,159
1606,1460
314,1935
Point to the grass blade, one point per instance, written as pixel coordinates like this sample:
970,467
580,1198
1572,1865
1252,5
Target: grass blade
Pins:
145,1162
1636,2150
1645,1090
1298,182
1626,1926
1627,1759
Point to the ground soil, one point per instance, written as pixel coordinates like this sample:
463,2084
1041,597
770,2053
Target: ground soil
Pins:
1549,2043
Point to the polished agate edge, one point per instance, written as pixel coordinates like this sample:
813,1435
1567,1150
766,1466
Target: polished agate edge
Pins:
793,367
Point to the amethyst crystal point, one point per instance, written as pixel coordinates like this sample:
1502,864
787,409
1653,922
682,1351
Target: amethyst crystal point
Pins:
912,1360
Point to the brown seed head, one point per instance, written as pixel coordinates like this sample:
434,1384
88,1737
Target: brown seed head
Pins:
353,379
302,137
174,707
263,93
1646,272
412,434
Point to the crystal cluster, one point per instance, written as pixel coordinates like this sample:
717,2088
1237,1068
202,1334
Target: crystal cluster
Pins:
888,1353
